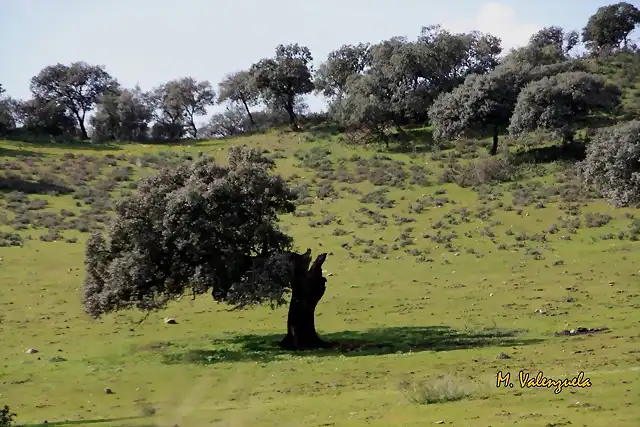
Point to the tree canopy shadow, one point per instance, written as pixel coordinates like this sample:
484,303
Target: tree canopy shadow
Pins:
41,186
325,130
41,141
82,422
418,140
19,152
573,152
379,341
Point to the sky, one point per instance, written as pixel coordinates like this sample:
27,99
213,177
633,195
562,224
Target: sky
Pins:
148,42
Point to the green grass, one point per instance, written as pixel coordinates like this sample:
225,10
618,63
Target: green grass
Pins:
432,289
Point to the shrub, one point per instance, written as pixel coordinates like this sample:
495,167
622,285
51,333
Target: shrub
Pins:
612,163
6,417
436,391
490,170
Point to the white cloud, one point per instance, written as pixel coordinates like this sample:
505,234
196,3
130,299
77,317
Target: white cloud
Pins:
500,20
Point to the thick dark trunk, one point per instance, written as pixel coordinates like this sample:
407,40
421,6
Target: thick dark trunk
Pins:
307,288
567,137
494,145
246,107
83,129
293,119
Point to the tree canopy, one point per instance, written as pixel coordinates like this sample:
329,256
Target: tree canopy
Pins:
610,26
123,115
77,87
332,75
204,227
558,103
612,163
487,101
283,78
239,87
459,82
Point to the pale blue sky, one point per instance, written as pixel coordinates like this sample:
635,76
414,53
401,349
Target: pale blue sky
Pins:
152,41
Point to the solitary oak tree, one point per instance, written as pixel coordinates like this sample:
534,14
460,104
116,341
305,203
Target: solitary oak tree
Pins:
560,102
204,227
77,87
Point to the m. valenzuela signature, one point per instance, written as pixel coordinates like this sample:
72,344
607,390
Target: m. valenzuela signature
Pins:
541,381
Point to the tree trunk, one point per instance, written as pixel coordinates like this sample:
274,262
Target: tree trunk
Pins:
246,107
83,129
293,119
567,137
194,128
494,146
307,288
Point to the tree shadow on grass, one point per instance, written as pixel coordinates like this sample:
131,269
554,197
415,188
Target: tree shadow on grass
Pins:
573,152
51,142
264,348
325,130
418,140
83,422
42,186
18,152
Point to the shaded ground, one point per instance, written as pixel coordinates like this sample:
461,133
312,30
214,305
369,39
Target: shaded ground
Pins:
349,343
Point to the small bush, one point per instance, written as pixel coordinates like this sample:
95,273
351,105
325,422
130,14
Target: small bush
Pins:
594,220
439,391
490,170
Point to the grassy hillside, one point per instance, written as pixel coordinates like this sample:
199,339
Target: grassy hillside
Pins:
434,287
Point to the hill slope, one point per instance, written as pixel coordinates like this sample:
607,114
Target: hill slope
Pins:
436,286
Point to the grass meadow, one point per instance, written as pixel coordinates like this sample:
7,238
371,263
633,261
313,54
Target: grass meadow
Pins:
444,268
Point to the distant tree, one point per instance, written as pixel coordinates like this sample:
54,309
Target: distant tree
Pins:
612,163
448,58
559,103
610,26
239,87
7,117
548,46
283,78
487,101
405,77
366,106
204,227
233,121
482,102
188,98
332,75
168,115
123,115
39,116
77,87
